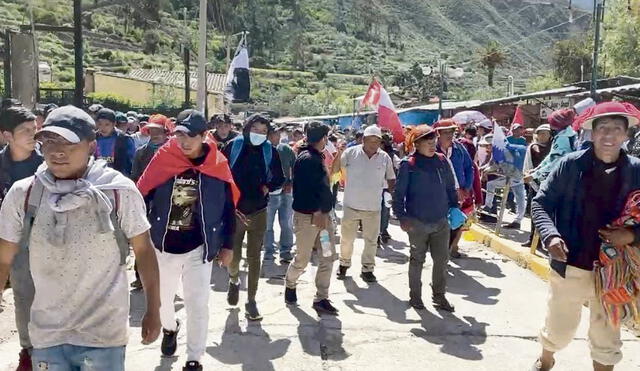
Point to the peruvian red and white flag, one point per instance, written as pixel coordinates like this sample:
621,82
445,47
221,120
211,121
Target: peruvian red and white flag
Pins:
378,98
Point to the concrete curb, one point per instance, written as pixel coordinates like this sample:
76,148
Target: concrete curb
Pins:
510,249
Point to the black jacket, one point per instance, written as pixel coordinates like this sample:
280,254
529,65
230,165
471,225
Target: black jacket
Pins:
311,190
141,159
8,174
250,176
559,203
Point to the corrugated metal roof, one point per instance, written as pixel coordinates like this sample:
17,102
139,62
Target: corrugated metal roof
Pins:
617,89
537,94
215,81
445,106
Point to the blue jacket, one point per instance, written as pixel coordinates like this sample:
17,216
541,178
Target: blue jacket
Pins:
462,165
215,210
559,202
118,150
425,189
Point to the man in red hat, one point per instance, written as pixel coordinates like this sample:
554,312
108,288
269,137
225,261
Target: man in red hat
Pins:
583,194
462,166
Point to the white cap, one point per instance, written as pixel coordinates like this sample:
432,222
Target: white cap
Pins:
373,131
583,105
543,127
486,123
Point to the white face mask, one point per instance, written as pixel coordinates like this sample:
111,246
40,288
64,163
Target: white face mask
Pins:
482,155
257,139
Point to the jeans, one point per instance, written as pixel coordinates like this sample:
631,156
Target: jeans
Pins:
518,191
68,357
307,236
195,277
433,238
255,228
281,204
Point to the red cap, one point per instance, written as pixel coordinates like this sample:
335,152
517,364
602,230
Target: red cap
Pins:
608,109
445,124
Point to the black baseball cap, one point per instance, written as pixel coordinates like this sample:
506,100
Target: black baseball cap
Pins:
106,114
71,123
191,122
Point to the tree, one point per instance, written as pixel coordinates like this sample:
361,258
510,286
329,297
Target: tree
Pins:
491,57
621,44
572,59
151,42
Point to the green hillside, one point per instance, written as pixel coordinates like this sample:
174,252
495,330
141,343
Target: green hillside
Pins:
319,37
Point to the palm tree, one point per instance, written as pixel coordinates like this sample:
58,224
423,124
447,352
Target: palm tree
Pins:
492,56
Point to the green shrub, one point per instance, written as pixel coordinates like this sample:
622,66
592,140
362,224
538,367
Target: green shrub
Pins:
113,101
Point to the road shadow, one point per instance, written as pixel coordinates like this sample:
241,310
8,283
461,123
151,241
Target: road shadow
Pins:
484,266
138,306
389,254
220,278
460,283
274,272
166,363
454,336
253,349
378,297
321,337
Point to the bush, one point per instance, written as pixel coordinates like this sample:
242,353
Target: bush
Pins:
113,101
151,42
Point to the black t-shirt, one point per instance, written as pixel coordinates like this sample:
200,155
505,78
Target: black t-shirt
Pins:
223,141
17,170
602,185
184,229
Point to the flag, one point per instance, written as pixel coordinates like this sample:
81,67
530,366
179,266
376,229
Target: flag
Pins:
518,117
238,87
378,98
508,157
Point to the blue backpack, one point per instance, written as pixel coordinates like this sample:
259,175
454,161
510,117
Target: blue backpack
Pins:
267,153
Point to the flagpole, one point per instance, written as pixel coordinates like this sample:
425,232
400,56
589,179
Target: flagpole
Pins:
202,58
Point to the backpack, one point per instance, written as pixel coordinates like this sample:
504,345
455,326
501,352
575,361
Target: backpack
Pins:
267,154
32,203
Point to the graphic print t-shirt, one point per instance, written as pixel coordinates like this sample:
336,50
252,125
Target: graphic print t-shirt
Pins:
183,230
106,149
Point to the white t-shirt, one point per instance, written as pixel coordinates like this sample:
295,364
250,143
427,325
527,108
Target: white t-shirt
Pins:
366,178
81,290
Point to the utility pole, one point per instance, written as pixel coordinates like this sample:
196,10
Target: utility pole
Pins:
599,15
186,59
202,58
78,96
443,69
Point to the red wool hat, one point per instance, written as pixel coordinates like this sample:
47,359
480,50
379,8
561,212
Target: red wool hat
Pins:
560,119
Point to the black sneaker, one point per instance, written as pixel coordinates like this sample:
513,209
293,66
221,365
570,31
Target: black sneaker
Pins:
324,306
527,244
233,295
342,272
170,341
513,225
286,258
251,311
368,277
385,238
192,366
136,285
290,296
417,303
441,302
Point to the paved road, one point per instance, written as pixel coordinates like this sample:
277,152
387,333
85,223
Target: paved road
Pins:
500,308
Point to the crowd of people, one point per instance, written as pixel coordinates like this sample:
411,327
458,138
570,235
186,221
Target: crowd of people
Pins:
80,188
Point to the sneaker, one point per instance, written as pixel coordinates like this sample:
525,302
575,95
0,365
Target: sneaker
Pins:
441,302
136,285
233,295
324,306
251,311
170,341
385,238
527,244
368,277
286,257
24,364
290,296
192,366
537,365
342,272
487,210
513,225
417,303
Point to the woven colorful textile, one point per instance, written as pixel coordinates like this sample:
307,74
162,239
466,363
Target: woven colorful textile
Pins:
618,271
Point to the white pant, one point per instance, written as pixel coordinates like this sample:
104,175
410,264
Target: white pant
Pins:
518,190
196,278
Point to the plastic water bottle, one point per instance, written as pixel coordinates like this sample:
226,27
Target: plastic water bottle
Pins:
325,242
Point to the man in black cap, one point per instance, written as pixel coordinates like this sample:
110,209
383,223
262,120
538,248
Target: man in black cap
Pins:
223,132
79,218
19,160
191,190
113,145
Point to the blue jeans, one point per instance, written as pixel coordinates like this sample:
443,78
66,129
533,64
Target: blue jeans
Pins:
282,204
68,357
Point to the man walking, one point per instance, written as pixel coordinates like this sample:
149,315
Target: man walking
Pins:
256,169
280,202
78,217
191,190
369,172
223,132
312,202
19,160
583,194
114,146
425,178
536,152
